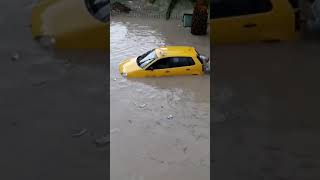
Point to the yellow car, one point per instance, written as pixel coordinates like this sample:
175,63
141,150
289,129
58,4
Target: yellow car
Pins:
75,24
234,21
165,61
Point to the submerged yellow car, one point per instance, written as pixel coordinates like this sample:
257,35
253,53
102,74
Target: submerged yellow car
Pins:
165,61
241,21
73,24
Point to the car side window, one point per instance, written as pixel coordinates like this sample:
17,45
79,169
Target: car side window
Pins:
185,61
180,62
172,62
229,8
160,64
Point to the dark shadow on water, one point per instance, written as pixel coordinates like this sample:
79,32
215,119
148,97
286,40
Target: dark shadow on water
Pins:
82,56
266,110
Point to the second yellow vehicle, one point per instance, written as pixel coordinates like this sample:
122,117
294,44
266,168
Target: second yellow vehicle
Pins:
238,21
165,61
72,24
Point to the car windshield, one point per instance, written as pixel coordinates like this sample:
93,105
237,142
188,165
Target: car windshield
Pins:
146,58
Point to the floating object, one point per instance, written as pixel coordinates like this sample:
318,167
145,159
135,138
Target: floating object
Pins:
102,141
79,133
15,57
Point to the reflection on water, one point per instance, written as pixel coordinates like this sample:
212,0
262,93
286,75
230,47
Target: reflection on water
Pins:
164,122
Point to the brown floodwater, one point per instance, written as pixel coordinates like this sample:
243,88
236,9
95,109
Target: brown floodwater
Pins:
145,143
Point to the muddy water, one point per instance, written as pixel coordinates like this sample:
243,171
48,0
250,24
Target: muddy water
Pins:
145,143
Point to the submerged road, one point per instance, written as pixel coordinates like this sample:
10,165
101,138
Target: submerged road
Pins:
163,123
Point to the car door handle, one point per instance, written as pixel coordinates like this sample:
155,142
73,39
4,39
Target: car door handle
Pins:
188,69
250,25
167,71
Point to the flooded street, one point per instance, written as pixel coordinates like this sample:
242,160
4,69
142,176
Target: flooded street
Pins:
160,127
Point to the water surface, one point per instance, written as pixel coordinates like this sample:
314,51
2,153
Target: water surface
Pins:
148,144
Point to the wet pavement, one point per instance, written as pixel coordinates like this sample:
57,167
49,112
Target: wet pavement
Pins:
162,123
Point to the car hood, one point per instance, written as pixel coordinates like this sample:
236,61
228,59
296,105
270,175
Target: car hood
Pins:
129,66
70,24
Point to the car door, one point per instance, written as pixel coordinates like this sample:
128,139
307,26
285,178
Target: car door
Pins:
160,67
183,66
238,20
173,66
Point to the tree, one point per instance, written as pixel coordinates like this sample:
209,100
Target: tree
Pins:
200,18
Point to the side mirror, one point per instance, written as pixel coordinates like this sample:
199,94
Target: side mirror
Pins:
150,68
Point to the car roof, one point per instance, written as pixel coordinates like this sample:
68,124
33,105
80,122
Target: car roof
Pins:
174,51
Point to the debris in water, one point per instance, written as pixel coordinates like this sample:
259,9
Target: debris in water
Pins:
170,117
47,41
114,79
161,106
185,149
130,121
114,130
102,141
15,57
80,132
165,162
142,105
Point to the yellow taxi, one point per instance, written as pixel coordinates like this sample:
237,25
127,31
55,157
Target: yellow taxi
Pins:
234,21
165,61
75,24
